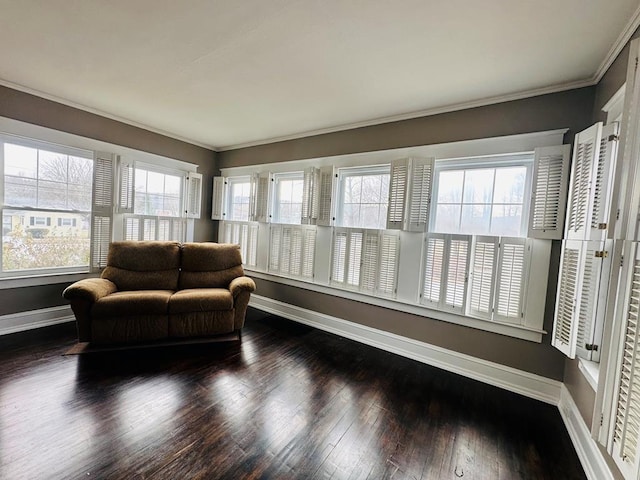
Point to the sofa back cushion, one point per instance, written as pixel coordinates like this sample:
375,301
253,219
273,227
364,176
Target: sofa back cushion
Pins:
143,265
209,265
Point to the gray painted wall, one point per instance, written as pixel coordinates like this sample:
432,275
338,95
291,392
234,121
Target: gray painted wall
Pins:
570,109
38,111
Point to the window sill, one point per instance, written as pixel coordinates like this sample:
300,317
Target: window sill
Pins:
510,330
591,371
36,280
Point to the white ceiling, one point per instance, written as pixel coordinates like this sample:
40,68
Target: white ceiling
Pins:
224,73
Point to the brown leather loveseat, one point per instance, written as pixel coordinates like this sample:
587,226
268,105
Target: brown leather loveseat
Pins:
153,291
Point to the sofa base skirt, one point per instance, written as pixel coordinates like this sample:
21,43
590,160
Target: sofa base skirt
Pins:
128,329
199,324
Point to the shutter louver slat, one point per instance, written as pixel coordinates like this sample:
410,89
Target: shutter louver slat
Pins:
194,195
627,403
252,246
604,173
217,199
369,270
148,229
164,229
263,182
548,199
397,193
125,198
101,208
309,252
457,267
510,282
482,276
285,252
434,261
296,252
274,248
354,258
421,184
325,195
389,251
566,299
339,257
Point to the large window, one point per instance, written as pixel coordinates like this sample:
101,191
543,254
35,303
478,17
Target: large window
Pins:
363,197
288,197
46,207
157,193
238,199
482,196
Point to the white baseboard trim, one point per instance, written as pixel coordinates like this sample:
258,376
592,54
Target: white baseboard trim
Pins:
44,317
518,381
591,458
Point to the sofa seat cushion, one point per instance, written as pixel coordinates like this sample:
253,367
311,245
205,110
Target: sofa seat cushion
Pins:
200,300
135,302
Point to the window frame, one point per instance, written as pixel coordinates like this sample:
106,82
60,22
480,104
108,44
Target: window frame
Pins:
361,171
275,201
229,203
509,160
46,213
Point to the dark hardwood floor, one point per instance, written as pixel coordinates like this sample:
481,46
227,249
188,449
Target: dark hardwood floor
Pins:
288,401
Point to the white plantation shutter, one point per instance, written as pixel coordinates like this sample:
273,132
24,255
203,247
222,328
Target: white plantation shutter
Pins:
369,269
433,269
339,256
310,196
420,187
483,269
627,397
275,244
243,234
581,298
261,183
457,267
149,228
603,178
325,196
585,152
164,229
178,230
592,300
194,195
252,246
285,250
126,184
389,256
308,252
228,232
354,258
132,228
398,181
511,276
217,198
295,252
564,330
549,192
101,208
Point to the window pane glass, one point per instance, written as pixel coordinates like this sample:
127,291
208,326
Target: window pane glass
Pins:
475,219
450,186
43,240
506,220
157,194
478,185
239,200
510,183
447,218
364,198
288,208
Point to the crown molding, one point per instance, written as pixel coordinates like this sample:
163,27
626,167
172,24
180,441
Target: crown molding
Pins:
95,111
618,45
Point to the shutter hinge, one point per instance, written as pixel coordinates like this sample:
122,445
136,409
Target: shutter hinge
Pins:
591,347
602,226
601,254
613,137
618,214
622,260
601,419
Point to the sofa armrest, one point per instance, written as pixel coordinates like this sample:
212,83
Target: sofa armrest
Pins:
89,289
241,284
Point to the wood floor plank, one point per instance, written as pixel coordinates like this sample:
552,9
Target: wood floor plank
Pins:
286,402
